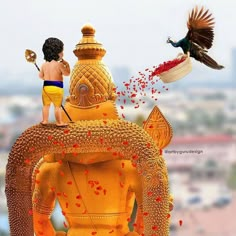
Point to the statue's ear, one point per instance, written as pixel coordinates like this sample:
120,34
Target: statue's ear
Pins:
158,128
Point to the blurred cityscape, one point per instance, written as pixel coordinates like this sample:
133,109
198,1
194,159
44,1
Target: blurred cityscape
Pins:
201,158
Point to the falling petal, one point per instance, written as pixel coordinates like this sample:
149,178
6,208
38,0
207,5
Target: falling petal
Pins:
125,143
154,227
65,225
63,213
180,222
27,161
158,199
32,149
66,131
76,145
134,164
53,189
101,140
99,188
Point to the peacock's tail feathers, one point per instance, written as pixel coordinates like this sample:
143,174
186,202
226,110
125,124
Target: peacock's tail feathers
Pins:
200,27
208,61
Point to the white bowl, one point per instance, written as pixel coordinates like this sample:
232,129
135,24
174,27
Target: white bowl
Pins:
177,72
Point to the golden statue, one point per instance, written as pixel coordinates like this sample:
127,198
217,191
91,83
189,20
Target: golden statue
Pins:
95,167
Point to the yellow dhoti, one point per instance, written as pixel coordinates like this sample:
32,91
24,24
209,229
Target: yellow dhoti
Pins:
52,94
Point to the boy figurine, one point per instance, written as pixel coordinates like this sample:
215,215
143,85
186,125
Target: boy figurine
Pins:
52,72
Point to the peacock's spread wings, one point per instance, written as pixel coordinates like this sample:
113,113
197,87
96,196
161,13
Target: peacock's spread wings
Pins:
200,27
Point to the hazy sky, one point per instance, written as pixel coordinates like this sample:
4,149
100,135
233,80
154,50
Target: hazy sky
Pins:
134,32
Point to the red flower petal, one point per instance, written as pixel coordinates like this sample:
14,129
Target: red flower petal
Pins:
180,222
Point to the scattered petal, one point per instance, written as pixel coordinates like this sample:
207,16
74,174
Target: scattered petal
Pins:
65,225
158,199
154,227
76,145
27,161
66,131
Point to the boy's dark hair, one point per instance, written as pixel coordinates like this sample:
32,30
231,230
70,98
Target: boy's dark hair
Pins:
51,48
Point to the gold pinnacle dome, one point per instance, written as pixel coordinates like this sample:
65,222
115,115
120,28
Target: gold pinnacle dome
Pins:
88,47
91,81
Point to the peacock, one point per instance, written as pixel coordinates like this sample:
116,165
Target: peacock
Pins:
199,37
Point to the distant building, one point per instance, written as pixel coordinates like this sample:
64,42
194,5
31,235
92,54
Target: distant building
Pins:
186,152
234,66
3,163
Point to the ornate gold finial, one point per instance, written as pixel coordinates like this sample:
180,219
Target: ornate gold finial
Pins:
91,81
88,47
88,30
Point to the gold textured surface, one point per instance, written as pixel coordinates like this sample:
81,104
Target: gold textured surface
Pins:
39,140
158,128
91,80
98,139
